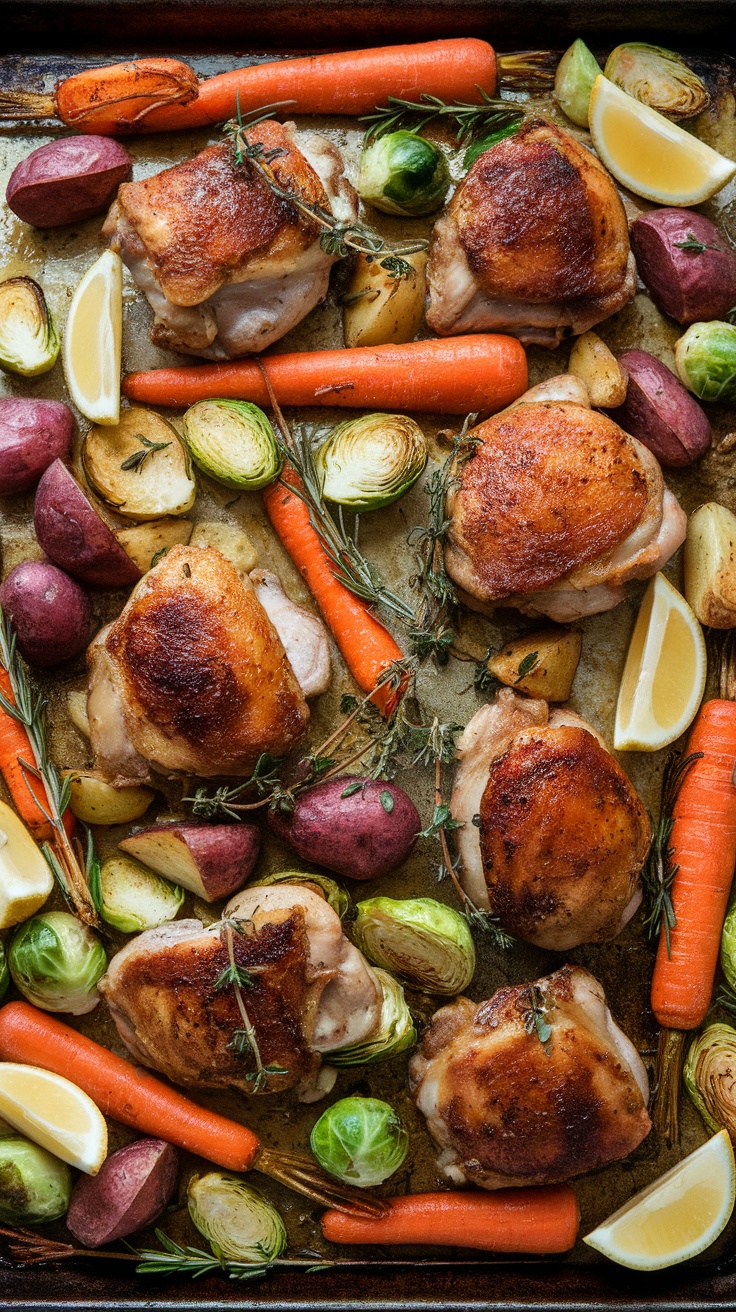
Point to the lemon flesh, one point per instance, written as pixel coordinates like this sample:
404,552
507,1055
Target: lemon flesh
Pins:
664,676
54,1113
93,341
651,156
676,1217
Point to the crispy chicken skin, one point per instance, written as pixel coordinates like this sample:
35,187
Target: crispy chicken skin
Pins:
192,676
506,1109
557,508
561,835
227,266
534,242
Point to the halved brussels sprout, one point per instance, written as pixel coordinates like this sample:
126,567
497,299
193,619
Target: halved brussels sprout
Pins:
710,1077
133,898
334,895
4,972
395,1031
360,1140
239,1224
657,77
403,173
424,941
35,1187
233,442
705,357
576,73
29,343
371,461
56,961
728,945
139,466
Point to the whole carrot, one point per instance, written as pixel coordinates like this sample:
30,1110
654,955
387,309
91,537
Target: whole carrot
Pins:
452,375
107,100
538,1220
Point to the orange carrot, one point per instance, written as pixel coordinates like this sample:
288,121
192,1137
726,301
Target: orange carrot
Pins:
543,1220
27,793
452,375
121,96
121,1090
366,645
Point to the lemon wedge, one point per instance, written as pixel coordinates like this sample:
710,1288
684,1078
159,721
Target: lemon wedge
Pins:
664,675
92,341
676,1217
650,155
54,1113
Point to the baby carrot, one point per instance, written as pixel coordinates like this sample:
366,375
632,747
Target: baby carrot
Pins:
543,1220
452,375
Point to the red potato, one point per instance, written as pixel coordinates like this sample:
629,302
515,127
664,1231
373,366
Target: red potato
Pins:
660,412
361,832
131,1188
49,612
32,435
684,280
67,181
75,537
212,861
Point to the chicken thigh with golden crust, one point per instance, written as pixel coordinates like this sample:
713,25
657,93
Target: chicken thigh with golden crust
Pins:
510,1103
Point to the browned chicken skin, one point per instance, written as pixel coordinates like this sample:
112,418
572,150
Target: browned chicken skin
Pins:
534,242
560,836
508,1109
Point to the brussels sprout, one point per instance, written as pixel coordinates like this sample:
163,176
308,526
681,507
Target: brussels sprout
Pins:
360,1140
4,972
133,898
576,73
705,357
56,961
425,942
371,461
334,895
403,173
239,1224
395,1031
728,945
710,1077
657,77
35,1187
233,442
29,343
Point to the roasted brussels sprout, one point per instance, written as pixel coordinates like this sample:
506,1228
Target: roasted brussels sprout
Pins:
710,1077
360,1140
395,1033
334,895
35,1187
657,77
29,343
424,941
4,972
728,945
705,357
55,961
371,461
239,1224
133,898
576,73
403,173
233,442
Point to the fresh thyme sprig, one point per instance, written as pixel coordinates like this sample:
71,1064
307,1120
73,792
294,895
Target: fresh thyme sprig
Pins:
693,245
245,1039
535,1017
137,459
660,869
470,120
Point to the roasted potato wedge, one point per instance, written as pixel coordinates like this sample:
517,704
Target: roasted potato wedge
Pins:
146,541
381,309
605,379
541,664
139,466
710,565
97,803
233,542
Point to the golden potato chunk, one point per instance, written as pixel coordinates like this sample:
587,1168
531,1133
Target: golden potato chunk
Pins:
97,803
710,565
232,542
145,542
605,379
541,664
381,309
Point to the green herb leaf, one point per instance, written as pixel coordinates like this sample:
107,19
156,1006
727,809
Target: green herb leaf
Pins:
530,661
387,801
693,245
351,789
138,458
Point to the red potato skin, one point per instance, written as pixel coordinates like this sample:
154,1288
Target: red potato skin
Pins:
353,836
67,181
75,537
224,855
690,286
49,612
660,413
32,435
131,1188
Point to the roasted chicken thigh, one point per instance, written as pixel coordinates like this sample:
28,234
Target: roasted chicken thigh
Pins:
509,1105
554,836
226,265
534,243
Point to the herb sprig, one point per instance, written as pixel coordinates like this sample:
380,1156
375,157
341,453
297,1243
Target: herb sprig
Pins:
535,1016
469,119
137,459
660,869
244,1039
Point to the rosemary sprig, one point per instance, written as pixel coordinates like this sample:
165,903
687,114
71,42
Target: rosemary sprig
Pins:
469,120
137,459
535,1017
660,869
185,1259
244,1040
